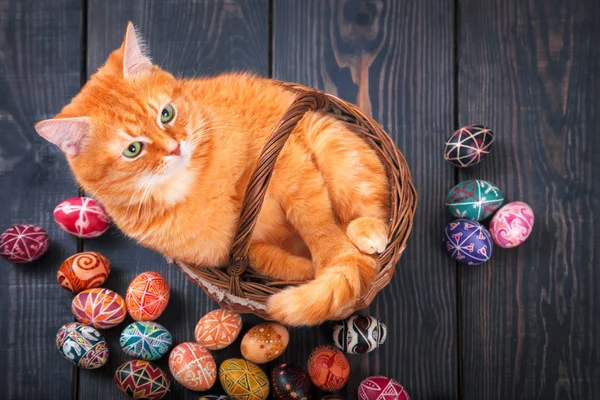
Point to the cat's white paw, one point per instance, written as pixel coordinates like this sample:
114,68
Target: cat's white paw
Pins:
369,235
169,260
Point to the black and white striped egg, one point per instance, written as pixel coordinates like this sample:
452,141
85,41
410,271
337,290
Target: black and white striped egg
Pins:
359,334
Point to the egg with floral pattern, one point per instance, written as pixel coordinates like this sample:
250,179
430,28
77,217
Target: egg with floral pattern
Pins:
147,296
381,388
83,271
468,242
264,342
290,382
145,340
101,308
193,366
23,243
82,345
82,216
512,224
141,379
468,145
475,199
328,368
243,379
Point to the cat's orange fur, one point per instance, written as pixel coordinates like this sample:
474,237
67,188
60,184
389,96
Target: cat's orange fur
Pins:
323,219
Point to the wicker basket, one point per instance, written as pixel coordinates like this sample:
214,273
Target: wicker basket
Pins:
239,288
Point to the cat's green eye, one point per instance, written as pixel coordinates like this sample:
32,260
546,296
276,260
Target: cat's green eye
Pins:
133,150
167,114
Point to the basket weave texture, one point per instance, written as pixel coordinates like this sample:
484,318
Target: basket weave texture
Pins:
238,287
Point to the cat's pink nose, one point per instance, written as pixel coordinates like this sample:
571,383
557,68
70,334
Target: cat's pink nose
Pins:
177,151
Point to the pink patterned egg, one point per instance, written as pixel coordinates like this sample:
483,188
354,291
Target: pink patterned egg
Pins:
193,366
512,224
101,308
381,388
23,243
82,216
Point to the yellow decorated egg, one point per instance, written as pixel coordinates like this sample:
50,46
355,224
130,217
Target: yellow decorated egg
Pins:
147,296
264,342
101,308
193,366
218,329
243,379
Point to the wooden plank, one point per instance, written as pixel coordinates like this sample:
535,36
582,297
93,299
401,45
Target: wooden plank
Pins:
187,39
530,70
39,70
394,59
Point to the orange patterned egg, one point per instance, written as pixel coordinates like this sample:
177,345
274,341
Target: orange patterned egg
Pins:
328,368
218,329
193,366
264,342
101,308
147,296
83,271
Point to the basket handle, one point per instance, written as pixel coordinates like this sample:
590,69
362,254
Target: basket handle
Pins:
259,182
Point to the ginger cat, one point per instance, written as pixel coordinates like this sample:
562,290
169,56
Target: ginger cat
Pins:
170,159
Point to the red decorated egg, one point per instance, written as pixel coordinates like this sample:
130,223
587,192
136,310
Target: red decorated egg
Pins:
381,388
147,296
193,366
512,224
218,329
23,243
290,382
101,308
82,216
83,271
328,368
142,380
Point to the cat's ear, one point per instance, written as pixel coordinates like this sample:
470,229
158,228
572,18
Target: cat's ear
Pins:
67,133
135,62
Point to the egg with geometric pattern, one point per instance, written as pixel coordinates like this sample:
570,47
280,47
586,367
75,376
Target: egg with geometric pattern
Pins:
381,388
145,340
147,296
328,368
101,308
83,217
218,329
193,366
243,379
23,243
468,242
474,199
359,334
82,345
468,145
141,379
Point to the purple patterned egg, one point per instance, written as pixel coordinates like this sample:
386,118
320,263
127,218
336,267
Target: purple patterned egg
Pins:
23,243
468,145
468,242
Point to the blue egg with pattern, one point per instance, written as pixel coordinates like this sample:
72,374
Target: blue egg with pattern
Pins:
145,340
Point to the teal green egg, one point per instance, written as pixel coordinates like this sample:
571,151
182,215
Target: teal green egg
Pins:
475,200
145,340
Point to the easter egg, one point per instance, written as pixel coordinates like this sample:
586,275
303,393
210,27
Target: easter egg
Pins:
359,334
264,342
243,379
512,224
101,308
468,242
193,366
142,380
290,382
82,345
145,340
82,216
381,388
147,296
23,243
83,271
328,368
218,329
468,145
474,199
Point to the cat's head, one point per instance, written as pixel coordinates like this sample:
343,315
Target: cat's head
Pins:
129,135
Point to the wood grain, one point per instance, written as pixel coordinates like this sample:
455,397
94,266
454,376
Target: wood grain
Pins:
39,69
530,71
187,39
394,59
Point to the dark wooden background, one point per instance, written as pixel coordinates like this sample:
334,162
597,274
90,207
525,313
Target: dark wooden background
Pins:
523,326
